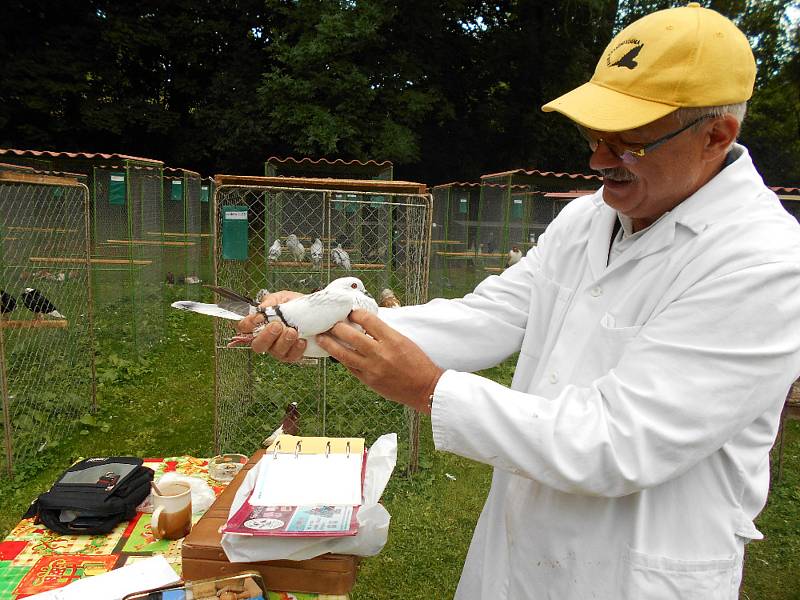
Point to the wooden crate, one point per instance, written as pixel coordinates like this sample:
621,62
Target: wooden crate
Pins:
203,556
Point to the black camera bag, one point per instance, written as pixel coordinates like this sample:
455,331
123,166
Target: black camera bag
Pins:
93,496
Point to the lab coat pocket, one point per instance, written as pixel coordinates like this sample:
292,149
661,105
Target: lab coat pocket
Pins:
607,348
661,578
549,302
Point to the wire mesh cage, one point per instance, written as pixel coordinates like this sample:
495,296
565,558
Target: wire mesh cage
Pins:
325,168
125,229
182,235
521,235
46,334
503,224
127,253
206,229
384,228
517,206
455,264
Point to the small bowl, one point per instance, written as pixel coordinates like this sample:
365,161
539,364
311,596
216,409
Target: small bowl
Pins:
224,467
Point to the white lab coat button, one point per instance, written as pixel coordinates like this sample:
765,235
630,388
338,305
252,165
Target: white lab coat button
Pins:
597,291
554,377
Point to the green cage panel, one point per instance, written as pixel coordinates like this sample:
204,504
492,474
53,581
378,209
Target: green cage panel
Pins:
46,334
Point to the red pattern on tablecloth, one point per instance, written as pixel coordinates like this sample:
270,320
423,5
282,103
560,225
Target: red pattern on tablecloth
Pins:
51,572
9,550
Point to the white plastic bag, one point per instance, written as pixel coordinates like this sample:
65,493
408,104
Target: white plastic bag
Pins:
373,518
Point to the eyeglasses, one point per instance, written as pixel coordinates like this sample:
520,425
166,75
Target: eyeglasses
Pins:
631,156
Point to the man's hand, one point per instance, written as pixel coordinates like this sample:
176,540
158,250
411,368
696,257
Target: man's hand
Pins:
279,341
386,361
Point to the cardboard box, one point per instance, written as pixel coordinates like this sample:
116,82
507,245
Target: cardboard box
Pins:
203,556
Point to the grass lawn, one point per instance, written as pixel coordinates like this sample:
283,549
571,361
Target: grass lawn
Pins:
162,404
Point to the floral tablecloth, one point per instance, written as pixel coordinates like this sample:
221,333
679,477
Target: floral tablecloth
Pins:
34,559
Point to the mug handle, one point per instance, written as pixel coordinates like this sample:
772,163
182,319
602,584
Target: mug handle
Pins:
157,533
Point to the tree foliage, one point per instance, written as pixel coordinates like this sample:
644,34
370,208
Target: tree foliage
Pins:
447,89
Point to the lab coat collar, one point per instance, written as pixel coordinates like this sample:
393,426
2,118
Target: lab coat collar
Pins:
732,187
726,191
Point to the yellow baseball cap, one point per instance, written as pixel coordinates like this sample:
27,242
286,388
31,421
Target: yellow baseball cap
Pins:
687,56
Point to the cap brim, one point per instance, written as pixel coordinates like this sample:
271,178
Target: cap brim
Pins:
602,109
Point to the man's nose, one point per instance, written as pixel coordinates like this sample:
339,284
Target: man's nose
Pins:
604,158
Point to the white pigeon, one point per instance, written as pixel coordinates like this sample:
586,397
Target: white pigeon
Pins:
514,256
317,313
340,257
275,250
316,253
296,248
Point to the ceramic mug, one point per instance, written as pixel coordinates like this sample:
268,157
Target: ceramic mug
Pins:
172,511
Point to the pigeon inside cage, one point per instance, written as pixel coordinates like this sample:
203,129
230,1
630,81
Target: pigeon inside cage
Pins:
293,250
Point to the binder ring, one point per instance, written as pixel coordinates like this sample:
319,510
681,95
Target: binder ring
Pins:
298,448
275,450
327,448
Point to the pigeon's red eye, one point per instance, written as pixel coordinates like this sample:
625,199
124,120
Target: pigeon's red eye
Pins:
354,285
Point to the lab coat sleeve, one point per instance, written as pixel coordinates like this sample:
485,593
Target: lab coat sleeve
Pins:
477,331
696,374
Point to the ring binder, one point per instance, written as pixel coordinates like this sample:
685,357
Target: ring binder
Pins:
316,494
295,445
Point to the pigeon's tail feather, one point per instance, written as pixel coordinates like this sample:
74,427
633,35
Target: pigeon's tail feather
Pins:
56,314
206,309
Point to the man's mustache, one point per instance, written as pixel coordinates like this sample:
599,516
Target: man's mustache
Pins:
617,174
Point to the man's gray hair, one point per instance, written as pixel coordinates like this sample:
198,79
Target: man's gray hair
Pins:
688,114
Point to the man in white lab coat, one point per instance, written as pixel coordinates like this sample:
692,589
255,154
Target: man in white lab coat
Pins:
657,324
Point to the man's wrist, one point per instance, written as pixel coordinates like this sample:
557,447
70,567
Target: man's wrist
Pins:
427,407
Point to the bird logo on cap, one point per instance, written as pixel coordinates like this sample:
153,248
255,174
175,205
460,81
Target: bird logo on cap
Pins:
627,60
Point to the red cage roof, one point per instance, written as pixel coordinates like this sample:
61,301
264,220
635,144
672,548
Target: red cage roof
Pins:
87,155
464,184
327,161
544,174
169,171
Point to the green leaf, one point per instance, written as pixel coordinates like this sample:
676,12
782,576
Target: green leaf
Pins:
88,420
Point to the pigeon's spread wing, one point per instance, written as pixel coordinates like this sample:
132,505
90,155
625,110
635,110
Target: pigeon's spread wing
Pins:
206,309
240,308
231,295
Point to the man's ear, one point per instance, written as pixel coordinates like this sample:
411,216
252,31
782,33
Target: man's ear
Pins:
721,133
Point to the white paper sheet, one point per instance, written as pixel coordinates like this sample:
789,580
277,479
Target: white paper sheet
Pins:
141,575
308,480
